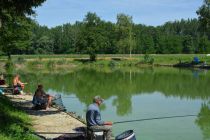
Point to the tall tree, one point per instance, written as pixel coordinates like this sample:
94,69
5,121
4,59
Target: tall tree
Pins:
15,36
93,39
187,45
204,17
125,35
14,21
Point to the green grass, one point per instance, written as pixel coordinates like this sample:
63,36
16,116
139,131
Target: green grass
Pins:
14,124
51,61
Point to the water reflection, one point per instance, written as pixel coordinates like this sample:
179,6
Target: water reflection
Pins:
86,83
203,120
121,85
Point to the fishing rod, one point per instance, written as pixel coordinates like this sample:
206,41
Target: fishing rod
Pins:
58,96
156,118
68,97
56,133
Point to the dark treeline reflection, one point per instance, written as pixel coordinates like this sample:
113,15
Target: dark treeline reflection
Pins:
123,84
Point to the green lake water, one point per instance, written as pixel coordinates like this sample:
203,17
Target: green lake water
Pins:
137,94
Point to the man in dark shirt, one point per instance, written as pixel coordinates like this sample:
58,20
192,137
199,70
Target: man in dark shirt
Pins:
93,117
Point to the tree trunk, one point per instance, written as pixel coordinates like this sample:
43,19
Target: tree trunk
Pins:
9,56
0,23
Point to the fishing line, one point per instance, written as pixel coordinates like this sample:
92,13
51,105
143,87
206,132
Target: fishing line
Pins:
156,118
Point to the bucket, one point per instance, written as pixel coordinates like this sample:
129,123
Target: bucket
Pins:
127,135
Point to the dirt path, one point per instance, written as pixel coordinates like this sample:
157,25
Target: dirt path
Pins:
48,121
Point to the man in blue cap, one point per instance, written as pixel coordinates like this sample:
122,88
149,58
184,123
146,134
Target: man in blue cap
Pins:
93,117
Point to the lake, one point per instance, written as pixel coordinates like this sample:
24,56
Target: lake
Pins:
133,94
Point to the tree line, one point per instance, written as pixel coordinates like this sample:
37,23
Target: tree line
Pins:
95,36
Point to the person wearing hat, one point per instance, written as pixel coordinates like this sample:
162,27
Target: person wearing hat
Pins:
93,118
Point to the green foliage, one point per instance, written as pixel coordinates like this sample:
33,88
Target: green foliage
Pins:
92,36
204,17
124,33
203,120
187,45
15,25
61,62
20,7
113,63
9,66
20,60
148,59
15,36
50,64
35,63
43,45
15,125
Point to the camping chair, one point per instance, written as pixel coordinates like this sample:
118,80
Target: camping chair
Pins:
95,134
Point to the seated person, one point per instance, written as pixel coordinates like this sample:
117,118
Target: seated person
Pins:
2,81
2,84
93,118
40,98
2,91
18,85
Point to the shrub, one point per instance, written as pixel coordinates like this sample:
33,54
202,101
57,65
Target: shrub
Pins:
20,60
50,64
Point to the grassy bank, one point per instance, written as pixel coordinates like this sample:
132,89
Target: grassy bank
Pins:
14,124
75,60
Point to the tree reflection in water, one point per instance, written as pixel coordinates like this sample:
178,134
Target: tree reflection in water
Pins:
203,120
123,84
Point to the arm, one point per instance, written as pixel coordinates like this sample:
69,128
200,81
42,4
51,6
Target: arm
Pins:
108,123
98,118
19,82
14,82
100,122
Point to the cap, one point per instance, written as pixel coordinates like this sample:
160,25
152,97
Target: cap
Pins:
97,98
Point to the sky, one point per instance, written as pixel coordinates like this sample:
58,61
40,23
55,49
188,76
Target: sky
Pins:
149,12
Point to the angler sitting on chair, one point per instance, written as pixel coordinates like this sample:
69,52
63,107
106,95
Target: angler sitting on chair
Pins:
41,100
93,118
18,85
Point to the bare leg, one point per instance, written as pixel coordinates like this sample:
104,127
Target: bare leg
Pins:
49,101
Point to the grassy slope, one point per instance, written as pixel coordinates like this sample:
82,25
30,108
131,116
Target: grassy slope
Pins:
14,124
103,59
159,58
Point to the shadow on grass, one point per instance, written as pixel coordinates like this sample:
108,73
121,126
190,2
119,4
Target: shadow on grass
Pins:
83,60
14,123
27,106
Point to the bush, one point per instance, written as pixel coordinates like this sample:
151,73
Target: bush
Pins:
50,64
35,63
20,60
148,59
62,61
92,57
113,63
9,66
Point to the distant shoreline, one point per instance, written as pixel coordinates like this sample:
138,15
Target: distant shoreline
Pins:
70,61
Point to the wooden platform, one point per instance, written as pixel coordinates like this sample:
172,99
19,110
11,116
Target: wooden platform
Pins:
50,123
